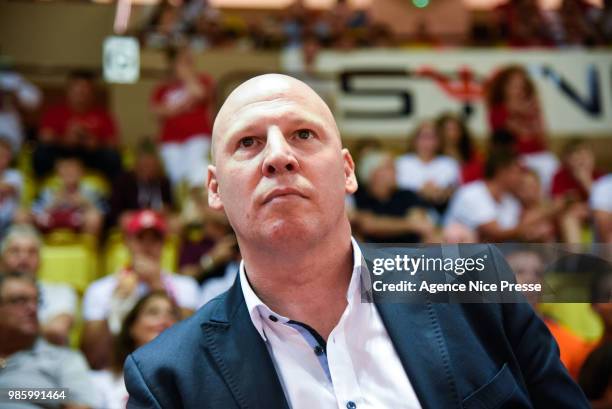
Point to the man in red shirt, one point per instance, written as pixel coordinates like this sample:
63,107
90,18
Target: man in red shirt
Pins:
78,126
184,107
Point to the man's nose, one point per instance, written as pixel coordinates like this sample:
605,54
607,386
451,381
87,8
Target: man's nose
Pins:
279,156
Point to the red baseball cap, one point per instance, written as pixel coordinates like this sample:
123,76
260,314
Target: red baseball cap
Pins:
146,220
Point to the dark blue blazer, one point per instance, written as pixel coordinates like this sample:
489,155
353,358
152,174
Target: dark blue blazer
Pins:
456,356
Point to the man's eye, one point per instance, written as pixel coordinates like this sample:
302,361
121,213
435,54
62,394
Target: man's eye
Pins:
247,142
304,134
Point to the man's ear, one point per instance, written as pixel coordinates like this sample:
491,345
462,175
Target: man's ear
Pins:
350,181
214,198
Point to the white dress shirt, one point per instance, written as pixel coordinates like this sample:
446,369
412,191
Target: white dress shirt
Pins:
358,369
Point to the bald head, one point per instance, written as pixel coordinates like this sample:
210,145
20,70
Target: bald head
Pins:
269,87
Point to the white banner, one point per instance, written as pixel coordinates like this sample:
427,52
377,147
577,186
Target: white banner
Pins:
387,92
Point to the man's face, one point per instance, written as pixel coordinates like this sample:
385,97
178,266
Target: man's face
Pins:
148,243
69,171
147,168
384,176
80,93
281,173
18,307
512,176
22,254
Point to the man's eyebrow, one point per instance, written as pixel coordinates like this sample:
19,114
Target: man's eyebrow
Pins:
294,121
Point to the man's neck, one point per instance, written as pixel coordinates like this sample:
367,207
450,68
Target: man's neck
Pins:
426,157
14,343
496,190
307,284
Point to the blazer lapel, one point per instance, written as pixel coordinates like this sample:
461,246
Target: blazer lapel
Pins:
241,355
419,342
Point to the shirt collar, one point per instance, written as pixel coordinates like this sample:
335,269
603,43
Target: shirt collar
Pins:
259,311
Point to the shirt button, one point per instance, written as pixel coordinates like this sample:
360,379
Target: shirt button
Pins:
351,405
273,318
318,350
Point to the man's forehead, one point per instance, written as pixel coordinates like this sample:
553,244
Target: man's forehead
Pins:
21,242
269,87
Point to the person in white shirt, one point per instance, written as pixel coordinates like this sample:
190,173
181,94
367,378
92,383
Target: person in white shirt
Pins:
11,185
26,95
20,252
108,300
29,362
425,169
488,207
601,205
152,314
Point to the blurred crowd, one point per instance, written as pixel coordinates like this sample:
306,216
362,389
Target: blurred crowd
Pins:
516,23
75,182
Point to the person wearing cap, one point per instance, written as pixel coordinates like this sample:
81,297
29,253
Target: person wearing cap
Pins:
108,299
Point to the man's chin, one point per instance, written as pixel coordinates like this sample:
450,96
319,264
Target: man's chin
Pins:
284,232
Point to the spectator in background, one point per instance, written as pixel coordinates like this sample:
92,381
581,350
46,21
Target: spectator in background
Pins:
26,359
528,267
11,184
601,206
426,170
184,106
595,376
72,204
15,93
78,126
208,31
162,29
386,213
295,19
145,187
207,241
458,144
151,315
20,252
604,22
578,24
209,250
513,106
522,24
536,207
571,188
109,299
489,207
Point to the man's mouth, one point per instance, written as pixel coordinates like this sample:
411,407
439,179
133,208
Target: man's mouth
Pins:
280,193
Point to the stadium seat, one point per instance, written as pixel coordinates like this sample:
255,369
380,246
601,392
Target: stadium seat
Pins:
67,258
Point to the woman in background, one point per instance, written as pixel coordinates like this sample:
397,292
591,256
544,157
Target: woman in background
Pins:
426,170
151,315
514,108
458,144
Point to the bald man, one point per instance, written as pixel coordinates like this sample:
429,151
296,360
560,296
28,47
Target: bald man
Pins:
293,332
